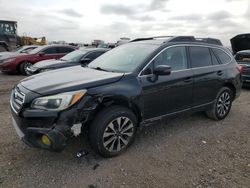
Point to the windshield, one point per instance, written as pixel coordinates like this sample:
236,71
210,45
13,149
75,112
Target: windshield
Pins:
36,50
24,49
243,57
125,58
74,56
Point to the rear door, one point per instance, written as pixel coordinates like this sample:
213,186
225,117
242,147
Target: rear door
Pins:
208,74
49,53
169,93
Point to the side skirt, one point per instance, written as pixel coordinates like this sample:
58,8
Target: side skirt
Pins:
187,111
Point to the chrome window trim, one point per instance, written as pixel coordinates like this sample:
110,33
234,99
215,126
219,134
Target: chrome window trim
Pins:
185,45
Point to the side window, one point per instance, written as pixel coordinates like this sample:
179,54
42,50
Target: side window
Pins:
223,57
94,55
175,57
64,50
214,59
50,51
200,56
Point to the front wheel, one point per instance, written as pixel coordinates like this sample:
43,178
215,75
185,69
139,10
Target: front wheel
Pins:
112,131
222,105
23,67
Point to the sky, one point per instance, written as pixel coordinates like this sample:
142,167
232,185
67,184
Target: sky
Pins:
83,21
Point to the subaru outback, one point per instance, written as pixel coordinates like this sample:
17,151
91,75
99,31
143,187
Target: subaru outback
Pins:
143,82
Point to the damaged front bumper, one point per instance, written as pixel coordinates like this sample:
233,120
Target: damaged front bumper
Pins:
51,129
33,136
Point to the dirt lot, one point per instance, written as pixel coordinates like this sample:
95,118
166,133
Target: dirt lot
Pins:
185,152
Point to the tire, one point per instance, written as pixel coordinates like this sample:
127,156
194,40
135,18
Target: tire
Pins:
23,66
105,136
222,104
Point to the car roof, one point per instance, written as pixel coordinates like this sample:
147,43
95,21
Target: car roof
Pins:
95,49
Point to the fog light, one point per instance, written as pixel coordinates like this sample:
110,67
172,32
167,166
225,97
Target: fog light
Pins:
45,140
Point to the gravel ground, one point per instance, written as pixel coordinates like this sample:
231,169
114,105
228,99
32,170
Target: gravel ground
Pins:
185,152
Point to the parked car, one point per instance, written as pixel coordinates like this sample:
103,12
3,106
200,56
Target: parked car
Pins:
75,58
106,45
136,84
241,48
18,63
22,49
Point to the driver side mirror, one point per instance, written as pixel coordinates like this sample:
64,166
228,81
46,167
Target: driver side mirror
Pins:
162,70
41,53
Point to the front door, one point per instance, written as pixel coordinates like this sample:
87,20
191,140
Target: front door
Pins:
168,93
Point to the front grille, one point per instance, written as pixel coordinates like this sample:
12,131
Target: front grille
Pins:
246,70
17,99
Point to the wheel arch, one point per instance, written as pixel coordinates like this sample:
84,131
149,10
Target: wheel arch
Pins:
231,87
19,64
120,101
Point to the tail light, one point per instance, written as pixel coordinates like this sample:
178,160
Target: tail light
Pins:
240,68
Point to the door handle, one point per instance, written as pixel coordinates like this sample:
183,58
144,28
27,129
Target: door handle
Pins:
219,73
188,79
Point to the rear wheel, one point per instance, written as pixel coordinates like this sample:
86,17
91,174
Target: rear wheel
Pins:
23,67
222,105
112,131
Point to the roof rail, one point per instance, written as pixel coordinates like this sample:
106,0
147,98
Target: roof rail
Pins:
193,39
183,39
210,40
149,38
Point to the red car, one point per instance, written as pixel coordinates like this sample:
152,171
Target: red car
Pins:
18,63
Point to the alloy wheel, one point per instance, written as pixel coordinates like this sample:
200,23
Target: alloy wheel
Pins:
118,134
223,104
27,65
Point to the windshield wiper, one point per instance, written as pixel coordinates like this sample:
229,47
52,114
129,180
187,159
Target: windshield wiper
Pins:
99,68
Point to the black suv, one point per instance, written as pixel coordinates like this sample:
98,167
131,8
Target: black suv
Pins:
136,84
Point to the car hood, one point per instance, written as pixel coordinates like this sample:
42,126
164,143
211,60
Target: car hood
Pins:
5,53
69,79
49,63
240,42
12,55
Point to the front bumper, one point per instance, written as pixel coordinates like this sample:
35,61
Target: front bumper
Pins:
7,67
32,136
58,126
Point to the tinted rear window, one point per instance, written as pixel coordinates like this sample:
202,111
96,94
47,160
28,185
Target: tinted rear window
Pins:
51,50
214,59
64,49
200,56
223,57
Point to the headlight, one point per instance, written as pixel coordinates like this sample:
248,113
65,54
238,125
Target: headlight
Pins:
59,101
8,60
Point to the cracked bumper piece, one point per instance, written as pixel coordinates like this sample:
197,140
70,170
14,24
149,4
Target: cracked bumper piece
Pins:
53,139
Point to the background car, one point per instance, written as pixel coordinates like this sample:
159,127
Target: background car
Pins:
241,49
22,49
243,59
18,63
77,57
